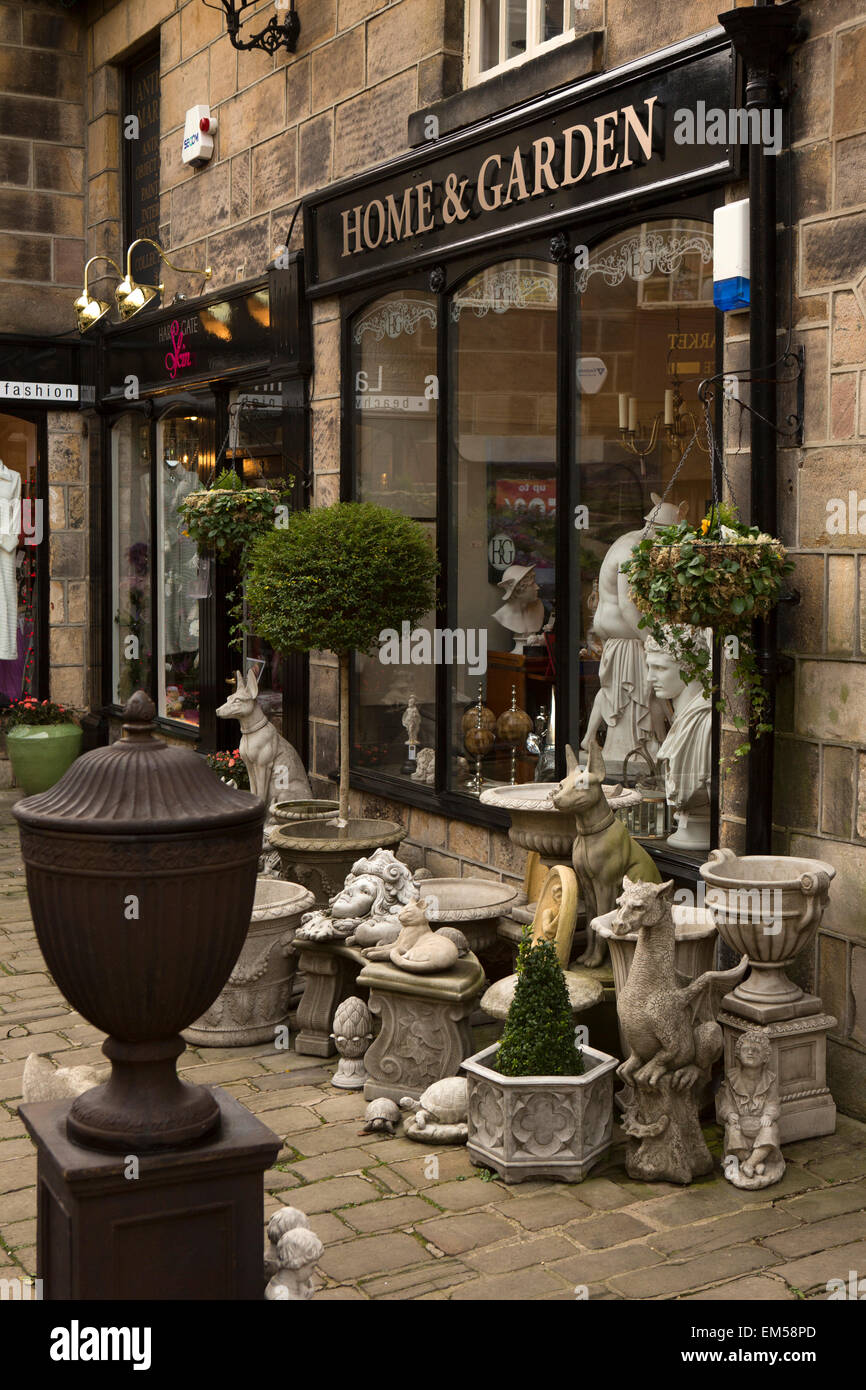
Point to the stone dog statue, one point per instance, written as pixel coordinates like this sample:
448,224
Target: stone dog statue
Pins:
276,772
673,1040
604,851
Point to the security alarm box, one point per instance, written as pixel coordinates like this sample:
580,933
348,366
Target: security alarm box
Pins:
731,256
198,133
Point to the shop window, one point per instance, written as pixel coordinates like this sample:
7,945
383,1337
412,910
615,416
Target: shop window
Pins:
503,472
394,409
505,32
18,567
645,333
184,462
266,447
132,644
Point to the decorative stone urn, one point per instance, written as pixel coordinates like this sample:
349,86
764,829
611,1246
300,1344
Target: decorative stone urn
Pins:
540,1126
319,854
255,1000
536,824
768,907
474,905
141,874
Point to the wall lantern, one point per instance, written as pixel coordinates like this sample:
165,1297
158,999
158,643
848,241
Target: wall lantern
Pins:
89,310
132,297
282,31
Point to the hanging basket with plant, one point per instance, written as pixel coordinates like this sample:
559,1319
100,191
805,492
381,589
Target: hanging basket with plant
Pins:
722,575
227,517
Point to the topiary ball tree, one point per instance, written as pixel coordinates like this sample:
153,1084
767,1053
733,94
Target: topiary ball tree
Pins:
539,1032
333,578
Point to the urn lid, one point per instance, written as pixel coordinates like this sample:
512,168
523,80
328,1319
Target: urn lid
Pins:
140,785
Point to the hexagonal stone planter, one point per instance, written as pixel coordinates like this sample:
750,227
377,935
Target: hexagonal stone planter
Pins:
540,1126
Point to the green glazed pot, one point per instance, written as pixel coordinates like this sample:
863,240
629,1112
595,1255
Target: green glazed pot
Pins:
41,753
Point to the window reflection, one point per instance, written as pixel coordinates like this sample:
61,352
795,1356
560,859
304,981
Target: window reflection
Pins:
394,402
185,460
132,657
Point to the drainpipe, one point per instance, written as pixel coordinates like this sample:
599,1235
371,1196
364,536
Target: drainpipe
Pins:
762,36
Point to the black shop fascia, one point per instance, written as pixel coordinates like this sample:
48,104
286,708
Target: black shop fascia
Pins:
509,291
186,391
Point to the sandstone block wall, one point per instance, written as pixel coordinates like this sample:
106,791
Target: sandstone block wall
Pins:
42,158
820,790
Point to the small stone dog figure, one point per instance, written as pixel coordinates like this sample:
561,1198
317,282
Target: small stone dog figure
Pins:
603,851
276,771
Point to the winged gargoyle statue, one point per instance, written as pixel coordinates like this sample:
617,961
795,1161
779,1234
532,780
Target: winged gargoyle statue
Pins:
673,1041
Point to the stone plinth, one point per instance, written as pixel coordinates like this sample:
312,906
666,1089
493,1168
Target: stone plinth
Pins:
188,1227
330,972
799,1059
424,1033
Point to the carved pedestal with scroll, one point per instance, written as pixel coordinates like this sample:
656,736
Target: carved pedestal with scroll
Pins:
424,1032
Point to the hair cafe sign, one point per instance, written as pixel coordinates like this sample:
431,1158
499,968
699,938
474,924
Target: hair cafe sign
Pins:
179,357
601,142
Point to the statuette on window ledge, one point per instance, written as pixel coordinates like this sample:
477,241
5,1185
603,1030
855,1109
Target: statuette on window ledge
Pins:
522,613
353,1033
748,1106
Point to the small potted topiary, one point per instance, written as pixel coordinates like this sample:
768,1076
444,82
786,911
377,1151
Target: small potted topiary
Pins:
333,579
42,740
539,1105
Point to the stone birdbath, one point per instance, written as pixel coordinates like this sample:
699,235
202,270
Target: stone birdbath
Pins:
473,905
536,824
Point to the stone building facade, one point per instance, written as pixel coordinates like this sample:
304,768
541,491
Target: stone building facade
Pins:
290,125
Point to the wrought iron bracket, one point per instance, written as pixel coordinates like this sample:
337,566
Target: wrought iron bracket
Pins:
278,33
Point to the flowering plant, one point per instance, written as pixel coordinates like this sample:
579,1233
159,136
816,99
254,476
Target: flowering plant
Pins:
722,575
29,710
230,767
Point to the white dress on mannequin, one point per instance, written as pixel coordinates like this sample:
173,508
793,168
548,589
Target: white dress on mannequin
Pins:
10,527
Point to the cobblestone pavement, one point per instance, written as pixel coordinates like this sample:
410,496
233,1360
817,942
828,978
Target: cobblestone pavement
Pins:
398,1222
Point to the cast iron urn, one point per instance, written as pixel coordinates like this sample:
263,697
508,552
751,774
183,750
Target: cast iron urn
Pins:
141,872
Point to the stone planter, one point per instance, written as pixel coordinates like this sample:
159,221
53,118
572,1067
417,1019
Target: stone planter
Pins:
319,854
540,1126
768,907
255,1000
41,753
473,905
290,812
536,824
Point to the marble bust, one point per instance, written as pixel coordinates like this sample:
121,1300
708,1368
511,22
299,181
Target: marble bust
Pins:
625,703
522,613
686,750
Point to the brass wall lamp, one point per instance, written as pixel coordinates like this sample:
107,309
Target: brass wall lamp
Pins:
131,297
89,310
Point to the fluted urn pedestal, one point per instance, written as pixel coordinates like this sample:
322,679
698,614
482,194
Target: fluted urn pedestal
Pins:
141,872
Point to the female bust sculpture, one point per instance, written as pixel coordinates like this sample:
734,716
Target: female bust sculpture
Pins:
522,612
686,750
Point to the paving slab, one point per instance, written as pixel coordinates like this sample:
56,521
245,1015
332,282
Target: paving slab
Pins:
542,1250
333,1194
817,1269
539,1213
472,1192
827,1201
333,1165
820,1235
595,1266
353,1259
454,1235
523,1284
417,1282
705,1236
390,1213
674,1278
757,1289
